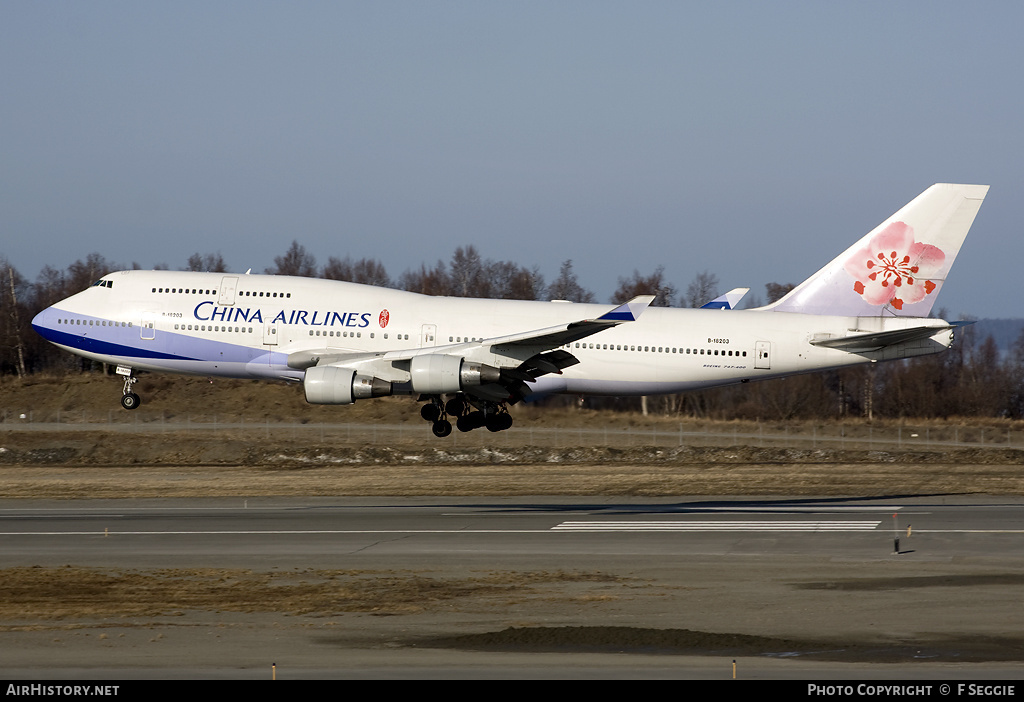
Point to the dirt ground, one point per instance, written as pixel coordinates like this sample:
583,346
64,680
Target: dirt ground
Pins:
72,459
101,465
62,454
96,609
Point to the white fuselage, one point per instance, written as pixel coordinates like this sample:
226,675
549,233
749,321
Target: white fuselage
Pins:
250,325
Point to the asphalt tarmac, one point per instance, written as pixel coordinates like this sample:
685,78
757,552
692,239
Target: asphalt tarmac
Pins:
812,588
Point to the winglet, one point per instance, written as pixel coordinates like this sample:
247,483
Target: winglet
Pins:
629,311
727,301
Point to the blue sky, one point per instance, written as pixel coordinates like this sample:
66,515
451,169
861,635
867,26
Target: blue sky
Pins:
753,140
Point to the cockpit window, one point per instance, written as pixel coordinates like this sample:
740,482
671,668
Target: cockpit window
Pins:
103,284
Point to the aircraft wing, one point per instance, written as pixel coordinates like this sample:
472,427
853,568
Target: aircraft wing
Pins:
549,358
873,341
546,338
552,337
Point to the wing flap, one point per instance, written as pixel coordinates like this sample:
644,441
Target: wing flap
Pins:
301,360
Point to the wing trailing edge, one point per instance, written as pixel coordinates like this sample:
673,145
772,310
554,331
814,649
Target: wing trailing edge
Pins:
553,337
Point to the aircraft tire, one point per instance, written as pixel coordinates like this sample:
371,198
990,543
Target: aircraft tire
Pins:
430,412
455,406
442,428
499,422
130,401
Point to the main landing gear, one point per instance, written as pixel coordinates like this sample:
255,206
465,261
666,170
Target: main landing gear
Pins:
492,415
434,412
129,400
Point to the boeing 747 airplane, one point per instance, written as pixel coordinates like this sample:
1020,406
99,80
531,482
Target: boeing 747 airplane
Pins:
470,359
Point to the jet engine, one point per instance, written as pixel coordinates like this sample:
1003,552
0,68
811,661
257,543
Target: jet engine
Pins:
437,374
332,385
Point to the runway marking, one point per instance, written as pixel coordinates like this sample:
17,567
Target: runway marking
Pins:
682,511
274,532
720,526
564,527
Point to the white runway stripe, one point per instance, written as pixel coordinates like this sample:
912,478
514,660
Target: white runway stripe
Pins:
720,526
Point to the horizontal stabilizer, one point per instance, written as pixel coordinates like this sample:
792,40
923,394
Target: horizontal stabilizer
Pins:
873,341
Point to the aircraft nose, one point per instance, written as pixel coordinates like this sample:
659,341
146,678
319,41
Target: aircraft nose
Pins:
43,323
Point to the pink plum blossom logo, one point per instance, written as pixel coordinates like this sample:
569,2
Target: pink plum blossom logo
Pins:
893,268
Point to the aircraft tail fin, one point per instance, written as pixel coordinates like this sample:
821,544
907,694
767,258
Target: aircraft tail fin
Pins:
898,268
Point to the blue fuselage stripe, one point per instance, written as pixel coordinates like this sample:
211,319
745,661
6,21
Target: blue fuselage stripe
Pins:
103,348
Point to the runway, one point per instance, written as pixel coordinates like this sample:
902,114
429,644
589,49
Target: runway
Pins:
787,569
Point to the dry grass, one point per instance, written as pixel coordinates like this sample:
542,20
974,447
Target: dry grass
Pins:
154,461
35,594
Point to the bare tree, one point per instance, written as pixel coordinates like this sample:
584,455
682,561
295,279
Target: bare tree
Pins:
427,281
777,291
81,274
296,261
567,287
701,291
1015,369
654,284
50,287
211,263
525,284
367,271
468,274
11,332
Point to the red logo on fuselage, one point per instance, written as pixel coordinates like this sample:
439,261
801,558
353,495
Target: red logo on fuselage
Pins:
384,317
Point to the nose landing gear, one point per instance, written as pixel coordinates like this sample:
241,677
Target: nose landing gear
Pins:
129,400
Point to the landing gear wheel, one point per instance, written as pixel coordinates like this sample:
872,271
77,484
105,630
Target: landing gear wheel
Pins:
499,422
129,400
442,428
471,420
455,406
430,412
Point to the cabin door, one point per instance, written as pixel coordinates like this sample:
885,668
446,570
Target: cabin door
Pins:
428,335
762,355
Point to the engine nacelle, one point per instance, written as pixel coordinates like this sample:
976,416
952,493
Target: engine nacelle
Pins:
437,374
331,385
